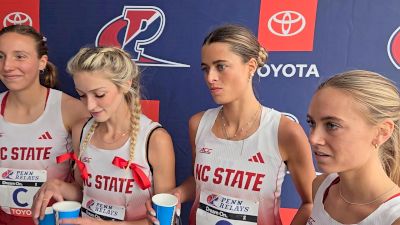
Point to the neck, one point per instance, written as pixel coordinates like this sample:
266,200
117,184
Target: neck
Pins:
238,113
366,183
119,122
28,98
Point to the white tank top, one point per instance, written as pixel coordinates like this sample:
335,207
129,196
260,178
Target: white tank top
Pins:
385,214
111,192
238,182
28,155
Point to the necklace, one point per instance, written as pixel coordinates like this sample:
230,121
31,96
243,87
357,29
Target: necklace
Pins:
117,138
364,203
240,130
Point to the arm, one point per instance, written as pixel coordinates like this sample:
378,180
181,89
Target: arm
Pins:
295,151
57,189
162,159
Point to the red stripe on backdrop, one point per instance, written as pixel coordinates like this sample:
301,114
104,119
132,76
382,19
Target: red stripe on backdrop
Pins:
151,108
20,12
287,215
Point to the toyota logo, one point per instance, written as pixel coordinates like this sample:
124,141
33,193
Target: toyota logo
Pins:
286,23
15,18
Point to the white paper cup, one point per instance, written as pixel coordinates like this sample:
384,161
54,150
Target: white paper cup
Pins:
165,206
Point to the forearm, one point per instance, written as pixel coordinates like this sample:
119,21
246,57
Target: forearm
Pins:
302,214
187,189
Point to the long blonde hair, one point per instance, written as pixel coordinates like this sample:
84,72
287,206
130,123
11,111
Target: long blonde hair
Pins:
381,100
120,69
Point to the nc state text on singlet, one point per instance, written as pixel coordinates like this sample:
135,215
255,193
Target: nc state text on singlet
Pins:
230,177
25,153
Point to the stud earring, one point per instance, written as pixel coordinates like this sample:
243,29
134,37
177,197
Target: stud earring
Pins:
376,146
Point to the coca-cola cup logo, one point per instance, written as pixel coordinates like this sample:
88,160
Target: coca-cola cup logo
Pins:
17,18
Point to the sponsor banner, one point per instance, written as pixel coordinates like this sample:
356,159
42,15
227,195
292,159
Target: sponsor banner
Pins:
134,29
287,25
393,48
19,12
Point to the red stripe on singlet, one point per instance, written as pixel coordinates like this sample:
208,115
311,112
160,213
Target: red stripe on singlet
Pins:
3,103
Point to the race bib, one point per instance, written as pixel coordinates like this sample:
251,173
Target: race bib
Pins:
219,209
17,189
100,210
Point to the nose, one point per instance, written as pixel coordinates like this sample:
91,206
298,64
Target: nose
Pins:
212,76
90,103
8,64
316,137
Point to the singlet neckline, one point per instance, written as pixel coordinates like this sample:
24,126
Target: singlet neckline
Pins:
245,139
4,101
337,180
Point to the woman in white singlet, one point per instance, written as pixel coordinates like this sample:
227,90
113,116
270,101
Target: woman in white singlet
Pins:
354,133
122,156
35,122
242,149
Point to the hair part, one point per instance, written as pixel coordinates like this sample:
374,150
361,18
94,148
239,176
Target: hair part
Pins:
241,40
48,76
120,70
380,99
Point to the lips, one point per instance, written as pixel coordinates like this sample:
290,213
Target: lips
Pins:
11,77
321,154
215,90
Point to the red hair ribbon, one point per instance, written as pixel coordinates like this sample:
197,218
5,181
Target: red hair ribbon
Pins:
140,178
81,166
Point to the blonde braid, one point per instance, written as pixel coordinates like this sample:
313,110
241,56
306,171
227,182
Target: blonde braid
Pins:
135,126
87,138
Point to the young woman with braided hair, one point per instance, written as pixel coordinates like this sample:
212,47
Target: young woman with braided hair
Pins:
122,157
241,150
35,122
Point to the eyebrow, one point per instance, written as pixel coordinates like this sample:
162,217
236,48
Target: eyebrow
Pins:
215,62
327,118
93,90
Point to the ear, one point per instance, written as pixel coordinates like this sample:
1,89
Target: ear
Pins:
385,131
253,65
127,86
43,62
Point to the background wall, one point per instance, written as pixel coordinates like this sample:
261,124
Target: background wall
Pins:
308,41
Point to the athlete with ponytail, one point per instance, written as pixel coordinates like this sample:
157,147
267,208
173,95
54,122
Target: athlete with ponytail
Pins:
35,122
122,157
354,120
241,149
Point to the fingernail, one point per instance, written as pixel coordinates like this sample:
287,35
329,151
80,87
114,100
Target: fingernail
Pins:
153,213
156,223
178,212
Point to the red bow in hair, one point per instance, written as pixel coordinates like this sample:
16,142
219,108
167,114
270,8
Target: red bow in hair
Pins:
79,163
140,178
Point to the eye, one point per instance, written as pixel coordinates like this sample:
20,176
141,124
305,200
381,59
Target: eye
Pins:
20,56
310,122
204,69
332,126
82,96
220,67
100,95
1,56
